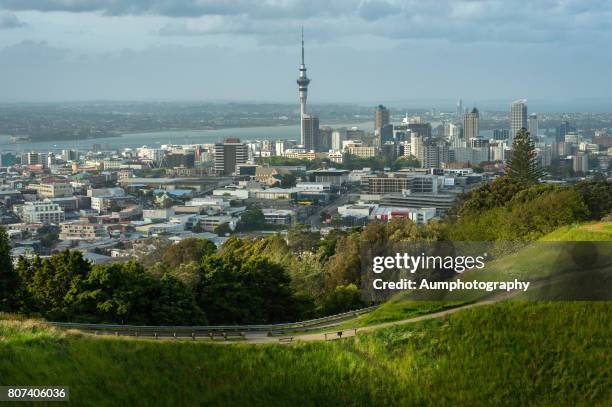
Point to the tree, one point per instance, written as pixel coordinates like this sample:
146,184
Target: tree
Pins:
223,229
188,250
300,238
288,180
242,290
252,219
342,299
48,235
598,197
523,165
9,281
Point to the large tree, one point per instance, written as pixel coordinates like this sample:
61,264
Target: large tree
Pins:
523,165
9,283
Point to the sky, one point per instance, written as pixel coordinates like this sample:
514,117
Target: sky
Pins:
363,51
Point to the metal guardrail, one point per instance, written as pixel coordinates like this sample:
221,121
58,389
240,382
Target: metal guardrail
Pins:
203,330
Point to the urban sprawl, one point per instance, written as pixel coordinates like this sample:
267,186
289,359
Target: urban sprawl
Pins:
118,204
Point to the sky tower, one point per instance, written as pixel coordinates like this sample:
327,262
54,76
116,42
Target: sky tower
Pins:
302,82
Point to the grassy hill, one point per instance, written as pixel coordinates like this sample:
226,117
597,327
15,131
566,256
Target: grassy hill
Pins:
510,353
503,354
549,258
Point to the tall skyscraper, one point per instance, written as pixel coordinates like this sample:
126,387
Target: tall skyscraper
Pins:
518,118
532,122
338,136
303,82
229,154
310,133
471,124
381,117
459,109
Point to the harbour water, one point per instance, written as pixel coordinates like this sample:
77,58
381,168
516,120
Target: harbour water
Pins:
157,138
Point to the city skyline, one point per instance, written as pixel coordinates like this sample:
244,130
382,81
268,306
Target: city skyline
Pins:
203,51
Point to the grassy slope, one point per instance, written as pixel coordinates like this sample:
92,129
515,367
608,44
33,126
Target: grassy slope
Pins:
541,259
504,354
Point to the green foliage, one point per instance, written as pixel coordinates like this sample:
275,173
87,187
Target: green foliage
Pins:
188,250
66,287
48,235
223,229
491,195
343,298
523,166
288,181
300,238
598,197
241,291
252,219
9,281
524,215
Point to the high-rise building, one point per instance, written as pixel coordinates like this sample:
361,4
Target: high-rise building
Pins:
325,136
459,109
471,125
423,129
310,133
381,117
501,134
580,163
564,128
228,155
303,82
518,118
532,122
338,136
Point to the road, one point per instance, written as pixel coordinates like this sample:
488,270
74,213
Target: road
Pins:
314,220
262,338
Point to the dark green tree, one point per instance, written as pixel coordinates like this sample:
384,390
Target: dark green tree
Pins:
343,299
288,180
243,290
523,165
188,250
9,281
252,219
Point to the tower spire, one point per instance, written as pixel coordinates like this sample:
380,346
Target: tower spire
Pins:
302,82
302,45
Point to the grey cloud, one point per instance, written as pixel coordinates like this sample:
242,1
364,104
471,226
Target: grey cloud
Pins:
191,8
372,10
10,20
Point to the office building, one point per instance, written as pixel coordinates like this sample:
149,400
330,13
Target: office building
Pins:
338,136
471,124
501,134
532,124
580,163
40,212
53,189
228,155
381,117
310,133
518,118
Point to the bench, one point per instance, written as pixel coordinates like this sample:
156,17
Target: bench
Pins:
286,339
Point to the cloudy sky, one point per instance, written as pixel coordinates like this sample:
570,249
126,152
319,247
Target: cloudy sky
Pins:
356,51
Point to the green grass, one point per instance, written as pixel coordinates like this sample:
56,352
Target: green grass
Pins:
582,232
504,354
